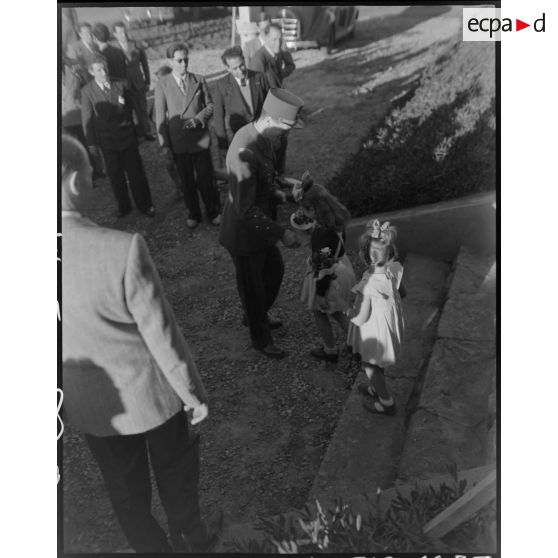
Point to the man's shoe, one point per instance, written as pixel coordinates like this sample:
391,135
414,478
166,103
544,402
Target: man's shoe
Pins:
121,214
216,221
191,223
320,354
273,324
150,212
272,351
150,137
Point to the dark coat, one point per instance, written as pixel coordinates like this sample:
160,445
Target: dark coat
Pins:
116,63
276,68
173,108
231,110
137,68
107,118
247,225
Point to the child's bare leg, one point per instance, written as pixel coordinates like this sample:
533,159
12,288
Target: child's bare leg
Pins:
324,329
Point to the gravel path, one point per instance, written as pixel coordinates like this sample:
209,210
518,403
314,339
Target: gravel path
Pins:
270,421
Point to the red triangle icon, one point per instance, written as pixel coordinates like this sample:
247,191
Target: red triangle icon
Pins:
519,25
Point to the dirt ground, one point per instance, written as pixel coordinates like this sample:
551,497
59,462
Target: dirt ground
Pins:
270,421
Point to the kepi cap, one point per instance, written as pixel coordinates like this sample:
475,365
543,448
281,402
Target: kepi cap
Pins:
284,106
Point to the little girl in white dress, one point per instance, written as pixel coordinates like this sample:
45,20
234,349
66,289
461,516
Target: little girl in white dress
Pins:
376,325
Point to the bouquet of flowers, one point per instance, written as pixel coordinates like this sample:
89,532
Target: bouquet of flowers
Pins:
323,260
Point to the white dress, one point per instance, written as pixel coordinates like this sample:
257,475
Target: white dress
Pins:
376,325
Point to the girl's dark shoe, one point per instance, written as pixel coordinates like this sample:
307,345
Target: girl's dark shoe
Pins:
320,354
378,408
367,389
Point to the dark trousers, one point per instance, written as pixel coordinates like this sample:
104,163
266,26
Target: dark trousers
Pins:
196,173
258,279
139,104
124,465
281,155
125,167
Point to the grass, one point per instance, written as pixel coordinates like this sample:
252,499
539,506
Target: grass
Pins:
437,143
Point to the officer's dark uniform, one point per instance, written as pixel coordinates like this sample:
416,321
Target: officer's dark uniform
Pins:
248,230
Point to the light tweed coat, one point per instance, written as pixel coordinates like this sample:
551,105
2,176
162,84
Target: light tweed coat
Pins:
126,365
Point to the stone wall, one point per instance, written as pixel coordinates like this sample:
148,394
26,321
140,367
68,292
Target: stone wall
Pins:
212,33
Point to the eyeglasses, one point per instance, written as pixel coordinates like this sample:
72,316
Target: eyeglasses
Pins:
180,60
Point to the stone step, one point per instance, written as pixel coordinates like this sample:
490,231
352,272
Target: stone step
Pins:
451,420
364,450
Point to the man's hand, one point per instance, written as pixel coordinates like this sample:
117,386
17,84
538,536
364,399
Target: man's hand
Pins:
199,413
290,240
323,304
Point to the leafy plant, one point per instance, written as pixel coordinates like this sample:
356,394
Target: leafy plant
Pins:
395,525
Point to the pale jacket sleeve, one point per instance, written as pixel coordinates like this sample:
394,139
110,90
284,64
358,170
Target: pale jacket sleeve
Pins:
157,325
161,123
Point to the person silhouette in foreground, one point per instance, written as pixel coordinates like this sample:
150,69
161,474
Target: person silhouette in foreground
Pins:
128,374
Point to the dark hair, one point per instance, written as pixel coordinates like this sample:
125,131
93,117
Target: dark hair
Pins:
119,24
232,52
330,212
101,32
175,48
383,248
97,59
264,16
272,26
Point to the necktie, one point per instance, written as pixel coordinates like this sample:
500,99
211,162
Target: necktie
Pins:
243,82
183,86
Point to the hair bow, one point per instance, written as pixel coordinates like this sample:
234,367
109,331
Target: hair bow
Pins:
303,186
375,229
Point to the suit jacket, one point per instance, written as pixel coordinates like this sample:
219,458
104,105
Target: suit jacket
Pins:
126,366
116,63
107,118
137,68
275,68
231,111
250,48
173,108
248,226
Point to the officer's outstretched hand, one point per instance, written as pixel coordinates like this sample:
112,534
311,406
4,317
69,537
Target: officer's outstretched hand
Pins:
290,240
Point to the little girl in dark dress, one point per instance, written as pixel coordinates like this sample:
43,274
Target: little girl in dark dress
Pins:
329,277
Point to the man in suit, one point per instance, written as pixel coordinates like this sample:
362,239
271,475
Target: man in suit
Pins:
271,59
183,107
108,126
276,64
250,47
239,96
248,230
138,77
116,59
81,52
128,373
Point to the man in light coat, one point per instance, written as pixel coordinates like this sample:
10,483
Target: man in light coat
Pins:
128,373
183,107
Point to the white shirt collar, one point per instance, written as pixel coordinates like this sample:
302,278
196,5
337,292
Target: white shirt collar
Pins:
238,80
178,78
272,53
